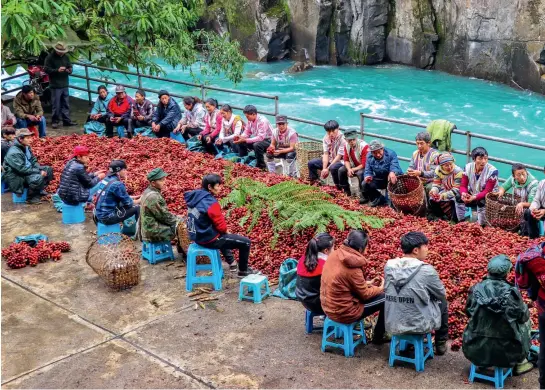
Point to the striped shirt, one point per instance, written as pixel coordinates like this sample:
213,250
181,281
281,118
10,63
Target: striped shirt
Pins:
334,147
283,140
445,183
425,164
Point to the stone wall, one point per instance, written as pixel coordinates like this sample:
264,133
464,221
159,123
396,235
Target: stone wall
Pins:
497,40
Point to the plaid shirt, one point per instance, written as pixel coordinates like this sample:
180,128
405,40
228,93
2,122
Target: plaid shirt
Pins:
115,196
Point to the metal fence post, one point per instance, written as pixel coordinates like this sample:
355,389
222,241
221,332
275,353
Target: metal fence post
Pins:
203,92
139,80
362,128
88,84
275,105
468,151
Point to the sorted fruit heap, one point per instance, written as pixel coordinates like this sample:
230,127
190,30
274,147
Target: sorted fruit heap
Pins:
21,254
460,253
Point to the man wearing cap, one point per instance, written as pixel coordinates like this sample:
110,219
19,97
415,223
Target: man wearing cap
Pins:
58,67
381,166
76,183
113,204
21,169
142,111
256,136
156,223
119,112
445,188
166,115
332,157
28,110
355,155
282,146
8,138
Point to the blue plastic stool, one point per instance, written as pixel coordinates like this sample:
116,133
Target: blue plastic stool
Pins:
499,375
257,285
346,330
309,321
4,187
157,251
469,213
215,267
177,137
111,233
22,198
73,214
541,228
417,340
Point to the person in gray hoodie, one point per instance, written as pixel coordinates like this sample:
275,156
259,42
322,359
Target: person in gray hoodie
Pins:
416,301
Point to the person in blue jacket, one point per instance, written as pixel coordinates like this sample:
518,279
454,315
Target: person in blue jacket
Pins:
113,203
99,113
206,225
382,166
166,116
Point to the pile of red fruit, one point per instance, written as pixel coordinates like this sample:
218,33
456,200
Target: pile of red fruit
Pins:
460,253
21,254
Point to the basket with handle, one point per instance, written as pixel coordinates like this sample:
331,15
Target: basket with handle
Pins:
307,151
501,212
408,195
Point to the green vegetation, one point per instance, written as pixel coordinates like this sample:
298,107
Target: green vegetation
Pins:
279,10
120,33
238,17
291,206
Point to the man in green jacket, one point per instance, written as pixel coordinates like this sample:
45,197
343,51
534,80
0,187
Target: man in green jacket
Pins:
58,67
156,223
21,169
498,331
28,110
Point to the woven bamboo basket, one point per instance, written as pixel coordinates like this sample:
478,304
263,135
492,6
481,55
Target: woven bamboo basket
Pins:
501,212
182,238
307,151
117,263
408,195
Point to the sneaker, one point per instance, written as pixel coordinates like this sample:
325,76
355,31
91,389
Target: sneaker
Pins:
363,200
34,200
378,202
233,267
249,271
55,125
523,367
440,347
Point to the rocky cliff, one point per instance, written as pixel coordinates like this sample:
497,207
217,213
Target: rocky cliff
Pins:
498,40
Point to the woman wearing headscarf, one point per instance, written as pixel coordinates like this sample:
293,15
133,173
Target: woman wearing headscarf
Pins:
445,187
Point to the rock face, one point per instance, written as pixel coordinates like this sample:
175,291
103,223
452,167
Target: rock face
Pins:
498,40
300,66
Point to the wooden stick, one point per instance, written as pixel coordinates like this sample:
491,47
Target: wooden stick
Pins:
201,305
194,293
180,276
208,299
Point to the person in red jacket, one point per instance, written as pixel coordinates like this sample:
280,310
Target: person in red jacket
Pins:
355,155
207,226
119,112
530,275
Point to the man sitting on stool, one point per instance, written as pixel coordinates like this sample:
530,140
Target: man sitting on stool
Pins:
355,155
282,146
333,152
156,223
113,203
28,110
381,166
21,169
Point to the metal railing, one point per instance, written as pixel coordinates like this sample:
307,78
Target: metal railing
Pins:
204,88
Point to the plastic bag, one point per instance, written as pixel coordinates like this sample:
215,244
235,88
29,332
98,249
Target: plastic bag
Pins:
129,226
145,132
286,280
31,239
57,202
194,145
94,127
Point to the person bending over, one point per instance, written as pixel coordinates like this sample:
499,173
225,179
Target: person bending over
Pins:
206,225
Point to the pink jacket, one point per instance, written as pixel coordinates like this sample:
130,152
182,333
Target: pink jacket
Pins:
208,128
258,130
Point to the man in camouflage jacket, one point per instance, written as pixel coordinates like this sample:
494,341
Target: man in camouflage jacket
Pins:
156,223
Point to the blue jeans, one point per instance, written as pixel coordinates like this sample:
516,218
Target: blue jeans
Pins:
24,123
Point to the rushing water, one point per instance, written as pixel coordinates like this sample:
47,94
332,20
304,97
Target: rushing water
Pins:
341,93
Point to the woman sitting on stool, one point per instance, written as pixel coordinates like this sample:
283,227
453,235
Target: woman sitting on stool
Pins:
309,271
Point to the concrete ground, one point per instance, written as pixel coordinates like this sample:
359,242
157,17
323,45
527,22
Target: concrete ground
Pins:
62,327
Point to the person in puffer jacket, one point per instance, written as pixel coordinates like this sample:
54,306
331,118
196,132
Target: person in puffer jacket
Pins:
207,227
416,301
76,183
309,271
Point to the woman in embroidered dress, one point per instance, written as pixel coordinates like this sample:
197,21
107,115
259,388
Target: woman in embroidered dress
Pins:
445,188
231,126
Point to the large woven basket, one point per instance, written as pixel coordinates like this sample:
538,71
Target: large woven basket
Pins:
117,263
182,238
408,195
501,212
307,151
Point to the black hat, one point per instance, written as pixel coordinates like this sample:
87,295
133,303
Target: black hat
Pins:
351,134
117,165
163,92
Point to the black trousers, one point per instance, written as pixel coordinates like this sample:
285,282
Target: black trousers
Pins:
135,124
345,183
541,360
442,333
226,242
121,215
317,164
259,148
532,224
209,147
191,132
372,189
125,122
61,105
370,307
